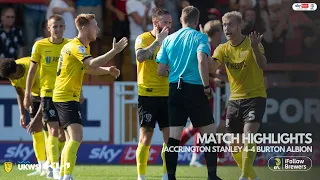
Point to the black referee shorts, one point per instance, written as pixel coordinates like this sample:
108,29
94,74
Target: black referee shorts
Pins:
189,102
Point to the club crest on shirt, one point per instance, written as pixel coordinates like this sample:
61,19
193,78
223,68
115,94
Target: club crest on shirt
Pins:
243,54
138,41
82,49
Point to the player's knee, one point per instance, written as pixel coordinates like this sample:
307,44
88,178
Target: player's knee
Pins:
75,132
53,129
165,134
146,135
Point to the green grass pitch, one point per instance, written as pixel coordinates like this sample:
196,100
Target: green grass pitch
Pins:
124,172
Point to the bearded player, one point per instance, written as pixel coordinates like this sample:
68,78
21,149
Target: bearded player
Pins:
153,90
244,60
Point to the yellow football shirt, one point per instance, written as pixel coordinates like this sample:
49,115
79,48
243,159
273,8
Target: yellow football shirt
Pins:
70,71
149,83
21,82
245,77
46,54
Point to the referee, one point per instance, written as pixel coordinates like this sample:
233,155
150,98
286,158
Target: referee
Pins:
187,54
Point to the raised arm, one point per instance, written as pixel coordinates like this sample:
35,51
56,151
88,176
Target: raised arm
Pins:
101,60
145,53
258,49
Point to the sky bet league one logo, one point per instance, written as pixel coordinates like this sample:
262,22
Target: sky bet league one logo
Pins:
304,6
290,163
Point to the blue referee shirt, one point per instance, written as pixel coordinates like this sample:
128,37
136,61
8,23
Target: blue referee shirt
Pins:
179,50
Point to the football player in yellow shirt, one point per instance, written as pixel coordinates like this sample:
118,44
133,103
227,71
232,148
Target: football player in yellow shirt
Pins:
75,60
45,55
16,71
244,60
153,90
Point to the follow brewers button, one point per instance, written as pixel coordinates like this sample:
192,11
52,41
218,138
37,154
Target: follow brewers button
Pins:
290,163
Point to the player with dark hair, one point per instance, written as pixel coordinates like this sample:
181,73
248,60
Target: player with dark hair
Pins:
16,71
153,89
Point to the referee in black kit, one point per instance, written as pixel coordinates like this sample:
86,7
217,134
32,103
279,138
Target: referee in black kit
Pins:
187,53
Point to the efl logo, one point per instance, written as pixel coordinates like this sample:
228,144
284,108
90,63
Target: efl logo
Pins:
304,6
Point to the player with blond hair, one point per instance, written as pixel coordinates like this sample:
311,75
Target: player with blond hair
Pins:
244,60
75,60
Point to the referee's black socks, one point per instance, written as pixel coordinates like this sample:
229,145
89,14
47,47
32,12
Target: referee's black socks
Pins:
211,160
172,158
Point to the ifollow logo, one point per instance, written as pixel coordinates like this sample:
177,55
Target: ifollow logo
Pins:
304,6
290,163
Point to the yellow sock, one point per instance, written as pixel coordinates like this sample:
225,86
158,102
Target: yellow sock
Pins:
164,167
46,136
248,158
70,155
39,146
142,155
53,148
62,162
238,159
61,145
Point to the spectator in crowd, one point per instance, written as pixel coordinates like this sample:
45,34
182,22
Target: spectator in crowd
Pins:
278,24
93,7
172,6
67,11
246,4
45,31
202,5
120,27
312,42
33,16
234,5
11,38
297,22
254,22
136,11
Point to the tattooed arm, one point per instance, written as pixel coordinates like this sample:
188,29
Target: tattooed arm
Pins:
145,53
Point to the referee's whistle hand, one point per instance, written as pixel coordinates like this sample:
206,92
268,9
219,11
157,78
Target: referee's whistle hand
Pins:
208,92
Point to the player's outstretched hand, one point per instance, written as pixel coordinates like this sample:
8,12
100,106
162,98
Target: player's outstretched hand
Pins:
160,36
201,28
23,121
113,71
120,45
255,39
